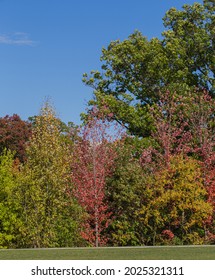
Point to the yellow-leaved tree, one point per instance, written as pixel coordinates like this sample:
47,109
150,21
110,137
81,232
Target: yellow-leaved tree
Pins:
179,207
51,217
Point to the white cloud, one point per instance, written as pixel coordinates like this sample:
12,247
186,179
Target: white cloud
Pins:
17,38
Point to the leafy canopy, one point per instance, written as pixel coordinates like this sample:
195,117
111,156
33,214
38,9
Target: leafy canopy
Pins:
136,69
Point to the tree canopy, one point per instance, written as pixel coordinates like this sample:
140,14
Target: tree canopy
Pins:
133,71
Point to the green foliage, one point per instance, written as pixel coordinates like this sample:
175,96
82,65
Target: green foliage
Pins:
189,41
126,192
136,69
9,221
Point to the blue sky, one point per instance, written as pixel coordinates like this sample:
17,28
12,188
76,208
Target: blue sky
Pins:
46,46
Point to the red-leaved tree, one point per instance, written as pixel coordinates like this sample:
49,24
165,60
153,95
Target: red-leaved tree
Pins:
93,161
14,134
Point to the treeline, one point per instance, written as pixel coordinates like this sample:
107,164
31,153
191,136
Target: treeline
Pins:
96,185
140,170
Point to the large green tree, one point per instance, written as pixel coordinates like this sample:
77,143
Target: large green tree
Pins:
134,70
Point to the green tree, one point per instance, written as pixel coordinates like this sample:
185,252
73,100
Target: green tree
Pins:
189,44
126,191
134,70
9,209
51,216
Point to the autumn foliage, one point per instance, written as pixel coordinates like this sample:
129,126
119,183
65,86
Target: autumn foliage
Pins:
14,135
184,127
93,161
97,186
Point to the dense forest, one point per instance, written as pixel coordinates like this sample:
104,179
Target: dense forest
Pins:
140,169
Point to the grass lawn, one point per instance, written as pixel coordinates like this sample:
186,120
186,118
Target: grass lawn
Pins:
123,253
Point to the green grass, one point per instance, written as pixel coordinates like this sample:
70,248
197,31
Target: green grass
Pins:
124,253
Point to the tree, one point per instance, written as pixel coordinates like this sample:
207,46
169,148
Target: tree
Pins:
14,134
10,221
189,42
51,217
94,155
178,202
136,69
127,191
183,124
67,131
